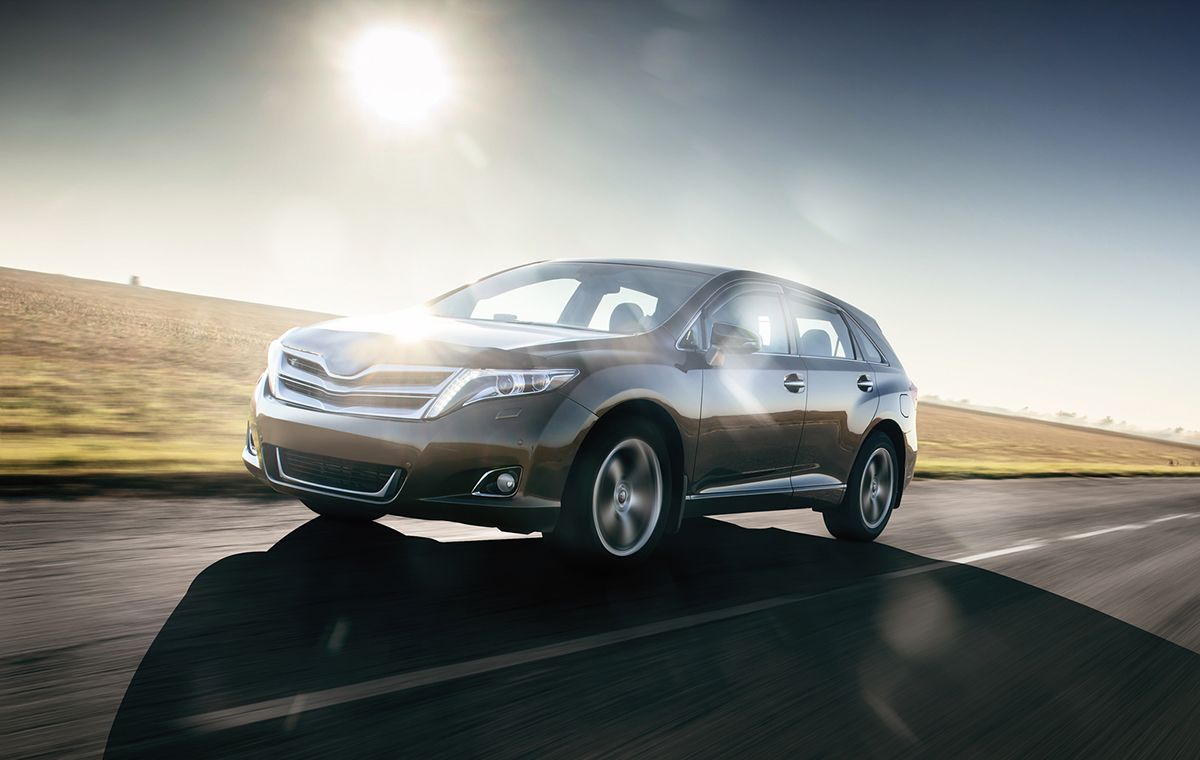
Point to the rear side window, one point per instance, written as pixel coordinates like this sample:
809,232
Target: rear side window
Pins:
759,312
866,347
821,331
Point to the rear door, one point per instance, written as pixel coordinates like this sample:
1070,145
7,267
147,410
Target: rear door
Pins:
842,396
753,405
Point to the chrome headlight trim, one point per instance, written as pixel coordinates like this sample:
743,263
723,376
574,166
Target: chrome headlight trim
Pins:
274,360
472,385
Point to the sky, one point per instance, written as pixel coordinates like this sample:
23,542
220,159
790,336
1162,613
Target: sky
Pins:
1012,189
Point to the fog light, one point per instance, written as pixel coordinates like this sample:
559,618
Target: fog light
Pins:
250,441
499,483
506,483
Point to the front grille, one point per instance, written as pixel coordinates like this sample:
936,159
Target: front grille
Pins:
361,478
395,392
351,400
306,365
404,377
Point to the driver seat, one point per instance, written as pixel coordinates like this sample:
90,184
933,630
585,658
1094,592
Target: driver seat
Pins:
626,318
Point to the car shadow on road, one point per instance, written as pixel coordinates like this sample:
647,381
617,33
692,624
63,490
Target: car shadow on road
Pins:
730,641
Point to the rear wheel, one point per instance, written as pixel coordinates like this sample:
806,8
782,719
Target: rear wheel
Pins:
615,505
871,494
340,510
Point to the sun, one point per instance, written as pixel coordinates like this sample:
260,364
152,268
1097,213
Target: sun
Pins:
398,74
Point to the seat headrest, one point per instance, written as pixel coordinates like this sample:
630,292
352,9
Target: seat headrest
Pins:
626,318
816,343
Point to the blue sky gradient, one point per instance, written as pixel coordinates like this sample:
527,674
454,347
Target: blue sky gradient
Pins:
1012,189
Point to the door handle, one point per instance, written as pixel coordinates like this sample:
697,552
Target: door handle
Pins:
864,384
793,383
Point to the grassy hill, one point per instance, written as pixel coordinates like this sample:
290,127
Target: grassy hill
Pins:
106,380
959,442
100,378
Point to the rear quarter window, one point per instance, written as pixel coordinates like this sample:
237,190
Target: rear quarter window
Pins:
867,349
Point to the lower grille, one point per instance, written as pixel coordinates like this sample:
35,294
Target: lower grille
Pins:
342,475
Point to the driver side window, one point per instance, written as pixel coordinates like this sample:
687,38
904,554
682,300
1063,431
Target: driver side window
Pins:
759,312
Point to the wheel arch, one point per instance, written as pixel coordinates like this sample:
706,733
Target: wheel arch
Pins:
665,422
892,430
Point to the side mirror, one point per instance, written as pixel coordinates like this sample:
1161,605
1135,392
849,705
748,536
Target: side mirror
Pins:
730,339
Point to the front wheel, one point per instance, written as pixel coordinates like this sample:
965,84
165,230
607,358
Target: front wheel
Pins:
871,494
614,508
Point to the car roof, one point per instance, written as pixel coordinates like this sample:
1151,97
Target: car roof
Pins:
682,266
732,273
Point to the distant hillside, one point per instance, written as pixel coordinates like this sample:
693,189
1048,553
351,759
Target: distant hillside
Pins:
98,377
1108,425
962,442
101,379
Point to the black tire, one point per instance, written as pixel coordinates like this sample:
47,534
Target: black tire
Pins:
858,517
592,526
344,511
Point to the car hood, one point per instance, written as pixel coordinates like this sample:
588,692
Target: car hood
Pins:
352,344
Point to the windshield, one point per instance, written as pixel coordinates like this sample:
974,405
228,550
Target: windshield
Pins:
592,296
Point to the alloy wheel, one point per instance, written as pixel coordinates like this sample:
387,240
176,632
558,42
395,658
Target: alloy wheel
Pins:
627,498
877,488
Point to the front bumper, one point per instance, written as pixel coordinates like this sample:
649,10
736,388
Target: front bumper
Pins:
442,459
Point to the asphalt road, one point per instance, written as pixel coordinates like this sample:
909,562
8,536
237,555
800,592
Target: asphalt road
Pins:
1039,618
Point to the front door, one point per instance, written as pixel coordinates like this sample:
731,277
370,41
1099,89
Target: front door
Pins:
752,408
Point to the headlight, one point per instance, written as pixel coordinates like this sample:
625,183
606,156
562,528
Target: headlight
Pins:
274,358
471,385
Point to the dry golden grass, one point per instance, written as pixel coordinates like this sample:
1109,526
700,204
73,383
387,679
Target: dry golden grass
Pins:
99,379
963,443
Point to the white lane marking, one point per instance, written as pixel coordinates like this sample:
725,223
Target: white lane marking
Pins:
999,552
289,707
1073,537
1102,531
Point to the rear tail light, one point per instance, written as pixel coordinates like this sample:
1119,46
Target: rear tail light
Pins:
912,391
